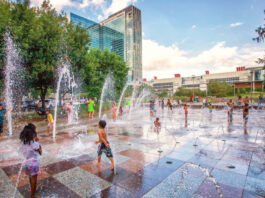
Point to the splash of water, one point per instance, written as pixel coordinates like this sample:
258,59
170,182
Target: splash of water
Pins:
132,98
106,92
13,78
64,73
18,178
205,172
121,97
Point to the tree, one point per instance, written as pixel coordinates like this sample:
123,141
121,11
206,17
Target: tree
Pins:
189,92
220,89
99,65
163,94
41,48
5,16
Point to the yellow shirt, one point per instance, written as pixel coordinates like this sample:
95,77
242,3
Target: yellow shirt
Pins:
50,118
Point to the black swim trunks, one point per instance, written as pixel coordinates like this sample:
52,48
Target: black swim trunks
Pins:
103,149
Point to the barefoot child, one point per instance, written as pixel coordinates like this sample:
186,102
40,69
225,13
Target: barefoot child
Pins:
103,143
157,123
31,149
91,110
245,113
186,109
50,122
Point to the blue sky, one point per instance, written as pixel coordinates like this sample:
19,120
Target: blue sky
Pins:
199,34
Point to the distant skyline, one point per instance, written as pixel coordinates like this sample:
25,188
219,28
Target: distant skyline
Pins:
186,37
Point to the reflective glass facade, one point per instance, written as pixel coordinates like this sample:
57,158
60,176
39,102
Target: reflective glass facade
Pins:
120,33
128,22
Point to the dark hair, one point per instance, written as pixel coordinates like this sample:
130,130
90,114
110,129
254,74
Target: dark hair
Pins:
157,118
102,123
47,110
28,133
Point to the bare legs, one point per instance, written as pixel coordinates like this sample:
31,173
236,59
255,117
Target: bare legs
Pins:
111,160
33,185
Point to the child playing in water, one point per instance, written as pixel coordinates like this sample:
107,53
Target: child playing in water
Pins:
31,149
186,109
114,111
157,123
50,122
245,113
91,105
230,105
210,106
103,143
121,111
69,112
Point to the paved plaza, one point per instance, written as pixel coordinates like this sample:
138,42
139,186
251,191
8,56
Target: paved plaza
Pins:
201,156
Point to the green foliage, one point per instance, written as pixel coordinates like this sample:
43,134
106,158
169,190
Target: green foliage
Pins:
163,94
189,92
44,37
220,89
241,91
99,64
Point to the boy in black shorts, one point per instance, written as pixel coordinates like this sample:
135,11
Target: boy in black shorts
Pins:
245,113
104,146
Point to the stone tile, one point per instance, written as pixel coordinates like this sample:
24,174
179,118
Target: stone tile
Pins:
115,178
113,192
249,194
209,190
7,188
178,184
95,168
169,163
132,165
181,156
82,182
256,186
24,179
139,155
155,172
50,187
240,168
11,170
59,167
137,184
257,170
229,178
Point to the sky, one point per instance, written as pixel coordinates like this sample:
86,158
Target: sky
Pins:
186,36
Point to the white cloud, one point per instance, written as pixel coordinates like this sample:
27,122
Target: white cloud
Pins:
57,4
236,24
117,5
164,61
193,26
106,9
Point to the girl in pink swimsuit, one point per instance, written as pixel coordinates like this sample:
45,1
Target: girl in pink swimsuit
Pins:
31,150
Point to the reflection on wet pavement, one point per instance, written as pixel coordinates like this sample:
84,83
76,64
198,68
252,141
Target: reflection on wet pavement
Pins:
200,156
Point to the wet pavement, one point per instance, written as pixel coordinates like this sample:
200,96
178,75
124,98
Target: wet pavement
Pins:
201,156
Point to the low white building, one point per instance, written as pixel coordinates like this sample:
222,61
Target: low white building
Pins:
247,75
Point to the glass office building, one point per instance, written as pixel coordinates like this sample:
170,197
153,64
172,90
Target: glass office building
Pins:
120,33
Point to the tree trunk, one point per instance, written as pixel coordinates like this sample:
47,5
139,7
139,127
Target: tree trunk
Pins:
43,95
